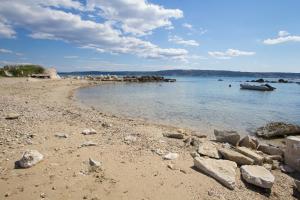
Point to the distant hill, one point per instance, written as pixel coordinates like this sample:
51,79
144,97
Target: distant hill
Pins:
20,70
204,73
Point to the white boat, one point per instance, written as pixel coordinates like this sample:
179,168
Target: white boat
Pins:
265,87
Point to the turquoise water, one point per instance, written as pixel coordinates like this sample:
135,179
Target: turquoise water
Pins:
202,104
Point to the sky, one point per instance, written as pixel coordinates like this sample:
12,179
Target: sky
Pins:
141,35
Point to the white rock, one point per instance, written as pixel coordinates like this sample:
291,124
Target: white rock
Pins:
257,175
130,138
12,116
171,156
94,163
223,171
29,159
89,131
209,149
88,143
61,135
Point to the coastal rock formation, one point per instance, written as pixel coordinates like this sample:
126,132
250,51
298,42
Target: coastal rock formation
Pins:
209,149
249,142
11,116
174,135
89,131
222,170
231,137
292,152
29,159
277,129
170,156
257,175
258,159
270,150
236,157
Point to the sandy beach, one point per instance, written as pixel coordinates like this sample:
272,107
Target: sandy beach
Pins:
131,167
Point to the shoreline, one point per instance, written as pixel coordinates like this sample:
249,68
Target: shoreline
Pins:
132,169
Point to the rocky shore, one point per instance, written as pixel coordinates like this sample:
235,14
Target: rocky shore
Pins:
51,147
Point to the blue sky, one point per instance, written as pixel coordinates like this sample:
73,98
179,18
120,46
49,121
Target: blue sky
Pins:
250,35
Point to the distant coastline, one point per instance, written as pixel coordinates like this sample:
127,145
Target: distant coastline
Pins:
218,73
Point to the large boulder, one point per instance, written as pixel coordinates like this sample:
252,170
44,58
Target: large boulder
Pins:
292,152
29,159
257,175
258,159
270,150
277,129
223,171
236,157
231,137
249,142
209,149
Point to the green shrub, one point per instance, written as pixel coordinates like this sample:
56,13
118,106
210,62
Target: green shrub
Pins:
22,70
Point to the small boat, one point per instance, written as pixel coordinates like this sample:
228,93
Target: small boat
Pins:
264,87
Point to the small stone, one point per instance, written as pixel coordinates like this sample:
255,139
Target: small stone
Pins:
158,151
170,156
173,166
94,163
43,195
61,135
174,135
88,143
130,139
231,137
257,175
106,125
89,131
11,116
29,159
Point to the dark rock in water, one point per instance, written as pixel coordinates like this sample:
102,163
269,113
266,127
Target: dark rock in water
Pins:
231,137
277,129
282,81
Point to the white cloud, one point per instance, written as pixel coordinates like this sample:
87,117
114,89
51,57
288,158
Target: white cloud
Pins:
178,40
6,30
46,22
137,17
5,51
188,26
283,37
230,53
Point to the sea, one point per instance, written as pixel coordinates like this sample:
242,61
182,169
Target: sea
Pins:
197,103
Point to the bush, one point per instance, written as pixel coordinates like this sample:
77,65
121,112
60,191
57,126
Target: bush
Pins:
22,70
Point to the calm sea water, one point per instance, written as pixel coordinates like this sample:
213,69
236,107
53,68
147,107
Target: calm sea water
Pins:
198,103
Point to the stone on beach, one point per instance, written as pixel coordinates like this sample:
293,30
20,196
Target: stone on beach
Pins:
89,131
292,152
257,175
236,157
94,163
231,137
170,156
258,159
270,150
277,129
61,135
209,149
130,139
174,135
88,143
223,171
249,142
11,116
29,159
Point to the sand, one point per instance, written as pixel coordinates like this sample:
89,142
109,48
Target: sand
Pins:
129,169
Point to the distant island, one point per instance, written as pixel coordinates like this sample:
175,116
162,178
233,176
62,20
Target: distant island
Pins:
219,73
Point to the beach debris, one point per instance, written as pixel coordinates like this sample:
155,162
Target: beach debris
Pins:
297,183
89,131
223,171
231,137
258,159
236,157
270,150
61,135
209,149
292,152
277,129
130,139
249,142
257,175
11,116
88,143
174,135
29,159
170,156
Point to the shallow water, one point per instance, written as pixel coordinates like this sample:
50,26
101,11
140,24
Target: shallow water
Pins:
199,103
